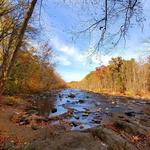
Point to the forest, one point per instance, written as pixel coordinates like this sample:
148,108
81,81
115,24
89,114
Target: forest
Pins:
120,76
47,47
24,68
32,73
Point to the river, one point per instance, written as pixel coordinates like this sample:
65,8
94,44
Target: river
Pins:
89,109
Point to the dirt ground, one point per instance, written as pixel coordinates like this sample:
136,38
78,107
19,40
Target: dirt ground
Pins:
22,128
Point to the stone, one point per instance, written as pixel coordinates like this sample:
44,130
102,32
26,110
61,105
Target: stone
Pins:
113,102
106,108
44,97
77,117
130,114
54,110
59,96
85,114
81,126
71,95
97,121
75,124
81,101
99,110
112,139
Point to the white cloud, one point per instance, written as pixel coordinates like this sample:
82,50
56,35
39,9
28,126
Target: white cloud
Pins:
64,61
69,54
98,60
69,51
95,59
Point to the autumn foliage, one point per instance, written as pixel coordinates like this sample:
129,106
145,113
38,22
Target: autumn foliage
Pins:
120,76
32,73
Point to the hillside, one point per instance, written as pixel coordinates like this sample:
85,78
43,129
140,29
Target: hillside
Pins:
120,76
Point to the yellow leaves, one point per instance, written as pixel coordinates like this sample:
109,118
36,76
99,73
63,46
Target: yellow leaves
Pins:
32,74
34,83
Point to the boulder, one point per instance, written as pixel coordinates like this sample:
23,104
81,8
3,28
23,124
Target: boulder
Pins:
97,121
81,101
75,124
77,117
54,110
112,139
85,114
130,113
71,95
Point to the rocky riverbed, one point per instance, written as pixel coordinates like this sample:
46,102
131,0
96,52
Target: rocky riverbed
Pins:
75,119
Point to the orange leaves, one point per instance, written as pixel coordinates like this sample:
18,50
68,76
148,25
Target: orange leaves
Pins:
100,70
33,73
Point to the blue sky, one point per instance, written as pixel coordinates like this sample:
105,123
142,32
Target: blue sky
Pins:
60,21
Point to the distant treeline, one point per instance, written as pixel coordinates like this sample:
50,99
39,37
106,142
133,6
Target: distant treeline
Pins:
121,76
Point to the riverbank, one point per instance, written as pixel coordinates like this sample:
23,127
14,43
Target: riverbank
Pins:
74,119
143,96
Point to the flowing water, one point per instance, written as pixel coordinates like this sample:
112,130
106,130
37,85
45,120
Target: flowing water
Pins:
89,109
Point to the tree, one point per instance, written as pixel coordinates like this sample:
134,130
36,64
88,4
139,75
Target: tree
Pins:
8,63
148,74
12,33
121,76
32,73
109,20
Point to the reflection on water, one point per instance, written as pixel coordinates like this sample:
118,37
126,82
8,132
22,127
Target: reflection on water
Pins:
46,105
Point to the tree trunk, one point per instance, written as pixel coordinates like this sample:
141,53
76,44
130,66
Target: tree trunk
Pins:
6,68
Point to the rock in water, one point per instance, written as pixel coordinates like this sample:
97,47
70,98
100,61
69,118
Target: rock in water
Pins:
71,95
81,101
77,117
75,124
130,114
96,121
54,110
85,114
